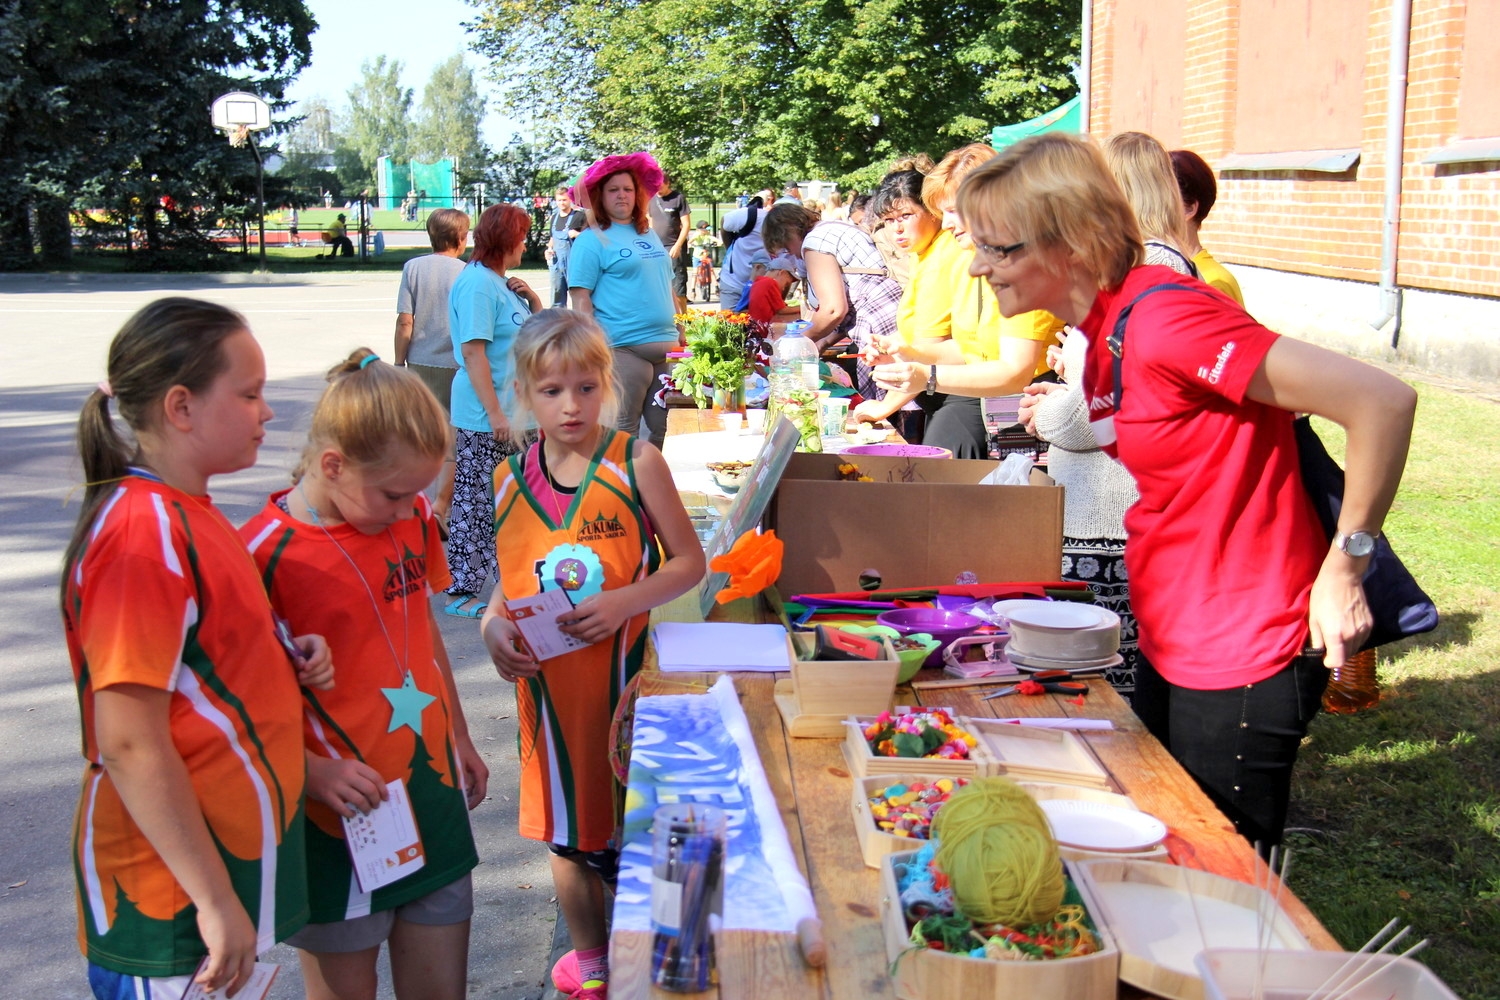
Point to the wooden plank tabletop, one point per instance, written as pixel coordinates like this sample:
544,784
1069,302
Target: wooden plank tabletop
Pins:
811,782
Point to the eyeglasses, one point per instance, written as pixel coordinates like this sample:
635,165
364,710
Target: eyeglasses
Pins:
998,255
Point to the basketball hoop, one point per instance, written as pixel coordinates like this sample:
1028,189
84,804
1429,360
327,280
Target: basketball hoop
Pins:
238,135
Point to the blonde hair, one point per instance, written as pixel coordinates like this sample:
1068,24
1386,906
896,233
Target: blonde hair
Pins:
1054,192
1144,172
555,340
940,186
371,409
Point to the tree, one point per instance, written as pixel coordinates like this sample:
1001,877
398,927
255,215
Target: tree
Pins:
448,120
105,107
378,122
738,95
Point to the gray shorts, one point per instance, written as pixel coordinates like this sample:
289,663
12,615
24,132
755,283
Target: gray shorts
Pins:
439,380
452,904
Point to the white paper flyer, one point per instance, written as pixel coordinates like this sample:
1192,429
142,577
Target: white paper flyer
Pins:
384,843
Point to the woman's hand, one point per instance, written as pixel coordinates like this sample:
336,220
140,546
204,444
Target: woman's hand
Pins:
513,661
476,772
883,349
900,376
316,668
1031,397
344,785
872,411
524,290
499,427
231,940
597,617
1338,616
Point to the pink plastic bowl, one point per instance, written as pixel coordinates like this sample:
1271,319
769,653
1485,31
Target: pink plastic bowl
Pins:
944,626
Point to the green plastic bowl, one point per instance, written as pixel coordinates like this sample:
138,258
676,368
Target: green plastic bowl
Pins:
911,659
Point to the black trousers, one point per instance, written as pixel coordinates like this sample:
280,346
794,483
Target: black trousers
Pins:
958,425
1239,743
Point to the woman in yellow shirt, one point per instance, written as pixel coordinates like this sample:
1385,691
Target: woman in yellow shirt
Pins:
985,354
1195,179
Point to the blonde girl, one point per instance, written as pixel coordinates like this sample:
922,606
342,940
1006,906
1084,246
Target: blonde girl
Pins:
188,844
590,511
353,550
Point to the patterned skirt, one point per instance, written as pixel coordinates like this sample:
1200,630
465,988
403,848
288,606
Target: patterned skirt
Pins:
1100,563
471,519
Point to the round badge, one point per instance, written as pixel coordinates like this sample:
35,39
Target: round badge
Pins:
575,569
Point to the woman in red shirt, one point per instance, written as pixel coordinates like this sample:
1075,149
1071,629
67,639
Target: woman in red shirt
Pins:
1230,573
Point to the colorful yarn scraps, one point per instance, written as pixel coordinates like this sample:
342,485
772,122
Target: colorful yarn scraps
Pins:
931,733
997,848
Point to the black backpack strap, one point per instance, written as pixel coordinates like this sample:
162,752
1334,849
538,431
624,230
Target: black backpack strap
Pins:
749,223
1116,341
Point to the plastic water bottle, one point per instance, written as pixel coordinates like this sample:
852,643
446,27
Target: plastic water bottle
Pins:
795,360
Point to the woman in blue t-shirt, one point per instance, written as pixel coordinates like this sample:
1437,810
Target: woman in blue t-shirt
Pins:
620,274
485,309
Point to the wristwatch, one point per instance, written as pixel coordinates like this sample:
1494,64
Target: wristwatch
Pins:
1356,544
931,380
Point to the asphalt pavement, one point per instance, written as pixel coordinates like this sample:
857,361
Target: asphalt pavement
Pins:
55,331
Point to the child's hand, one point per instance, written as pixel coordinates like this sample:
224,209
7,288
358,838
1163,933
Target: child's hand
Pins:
513,661
344,785
231,940
596,618
476,772
524,290
316,668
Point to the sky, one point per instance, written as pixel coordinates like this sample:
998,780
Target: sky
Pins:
352,31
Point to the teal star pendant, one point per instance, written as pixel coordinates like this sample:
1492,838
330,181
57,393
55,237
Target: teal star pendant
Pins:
407,703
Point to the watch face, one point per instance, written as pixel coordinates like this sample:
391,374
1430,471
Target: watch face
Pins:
1359,544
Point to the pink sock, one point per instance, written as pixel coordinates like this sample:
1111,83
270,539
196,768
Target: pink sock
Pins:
593,963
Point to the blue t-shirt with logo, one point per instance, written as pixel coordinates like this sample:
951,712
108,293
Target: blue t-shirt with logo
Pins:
630,278
480,307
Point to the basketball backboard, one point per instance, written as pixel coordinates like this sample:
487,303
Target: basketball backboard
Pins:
239,109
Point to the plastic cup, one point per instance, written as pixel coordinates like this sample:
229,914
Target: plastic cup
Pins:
731,421
833,414
687,888
755,421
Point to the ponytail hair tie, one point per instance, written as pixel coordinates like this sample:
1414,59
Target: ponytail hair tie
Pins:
105,388
365,361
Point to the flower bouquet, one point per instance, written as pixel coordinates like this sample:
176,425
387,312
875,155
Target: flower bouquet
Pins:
721,355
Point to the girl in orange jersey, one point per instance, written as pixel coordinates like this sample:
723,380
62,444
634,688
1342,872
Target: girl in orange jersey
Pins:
189,836
583,511
352,551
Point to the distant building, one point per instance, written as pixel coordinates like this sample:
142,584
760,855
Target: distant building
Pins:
1288,100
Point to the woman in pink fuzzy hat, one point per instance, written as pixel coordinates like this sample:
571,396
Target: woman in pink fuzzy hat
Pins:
620,274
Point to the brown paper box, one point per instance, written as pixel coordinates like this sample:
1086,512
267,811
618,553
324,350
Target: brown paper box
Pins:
923,522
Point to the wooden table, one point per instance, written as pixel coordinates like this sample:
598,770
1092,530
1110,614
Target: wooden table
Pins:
810,779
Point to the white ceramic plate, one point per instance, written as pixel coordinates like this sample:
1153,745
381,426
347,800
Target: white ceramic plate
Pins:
1061,616
1033,664
1099,826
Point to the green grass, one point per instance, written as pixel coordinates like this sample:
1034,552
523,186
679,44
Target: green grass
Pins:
1396,810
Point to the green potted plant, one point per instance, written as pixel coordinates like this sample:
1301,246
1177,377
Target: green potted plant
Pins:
719,361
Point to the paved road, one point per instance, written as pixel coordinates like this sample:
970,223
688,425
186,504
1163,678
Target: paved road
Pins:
55,332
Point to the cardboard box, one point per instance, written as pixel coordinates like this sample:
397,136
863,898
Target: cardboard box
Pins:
922,522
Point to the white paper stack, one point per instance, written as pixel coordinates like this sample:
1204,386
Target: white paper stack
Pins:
718,646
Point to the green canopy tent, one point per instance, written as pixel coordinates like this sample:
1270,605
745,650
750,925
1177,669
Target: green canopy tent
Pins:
1065,117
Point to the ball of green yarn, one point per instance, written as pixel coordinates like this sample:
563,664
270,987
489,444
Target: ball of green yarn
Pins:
997,850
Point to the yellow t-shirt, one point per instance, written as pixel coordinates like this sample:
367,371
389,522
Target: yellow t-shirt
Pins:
1215,274
926,309
978,326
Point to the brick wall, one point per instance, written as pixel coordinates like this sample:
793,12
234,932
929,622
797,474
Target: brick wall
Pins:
1329,224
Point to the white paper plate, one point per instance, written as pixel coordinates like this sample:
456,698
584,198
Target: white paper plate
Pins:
1061,616
1035,664
1099,826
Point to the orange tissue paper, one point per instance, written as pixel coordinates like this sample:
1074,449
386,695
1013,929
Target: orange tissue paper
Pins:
753,564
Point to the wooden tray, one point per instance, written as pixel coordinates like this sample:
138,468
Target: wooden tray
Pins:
924,974
875,843
1029,753
1042,792
863,762
1164,915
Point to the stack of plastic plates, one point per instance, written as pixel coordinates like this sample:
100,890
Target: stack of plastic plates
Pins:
1061,635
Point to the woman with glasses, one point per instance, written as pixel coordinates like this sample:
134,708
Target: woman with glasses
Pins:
986,355
849,288
1231,573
